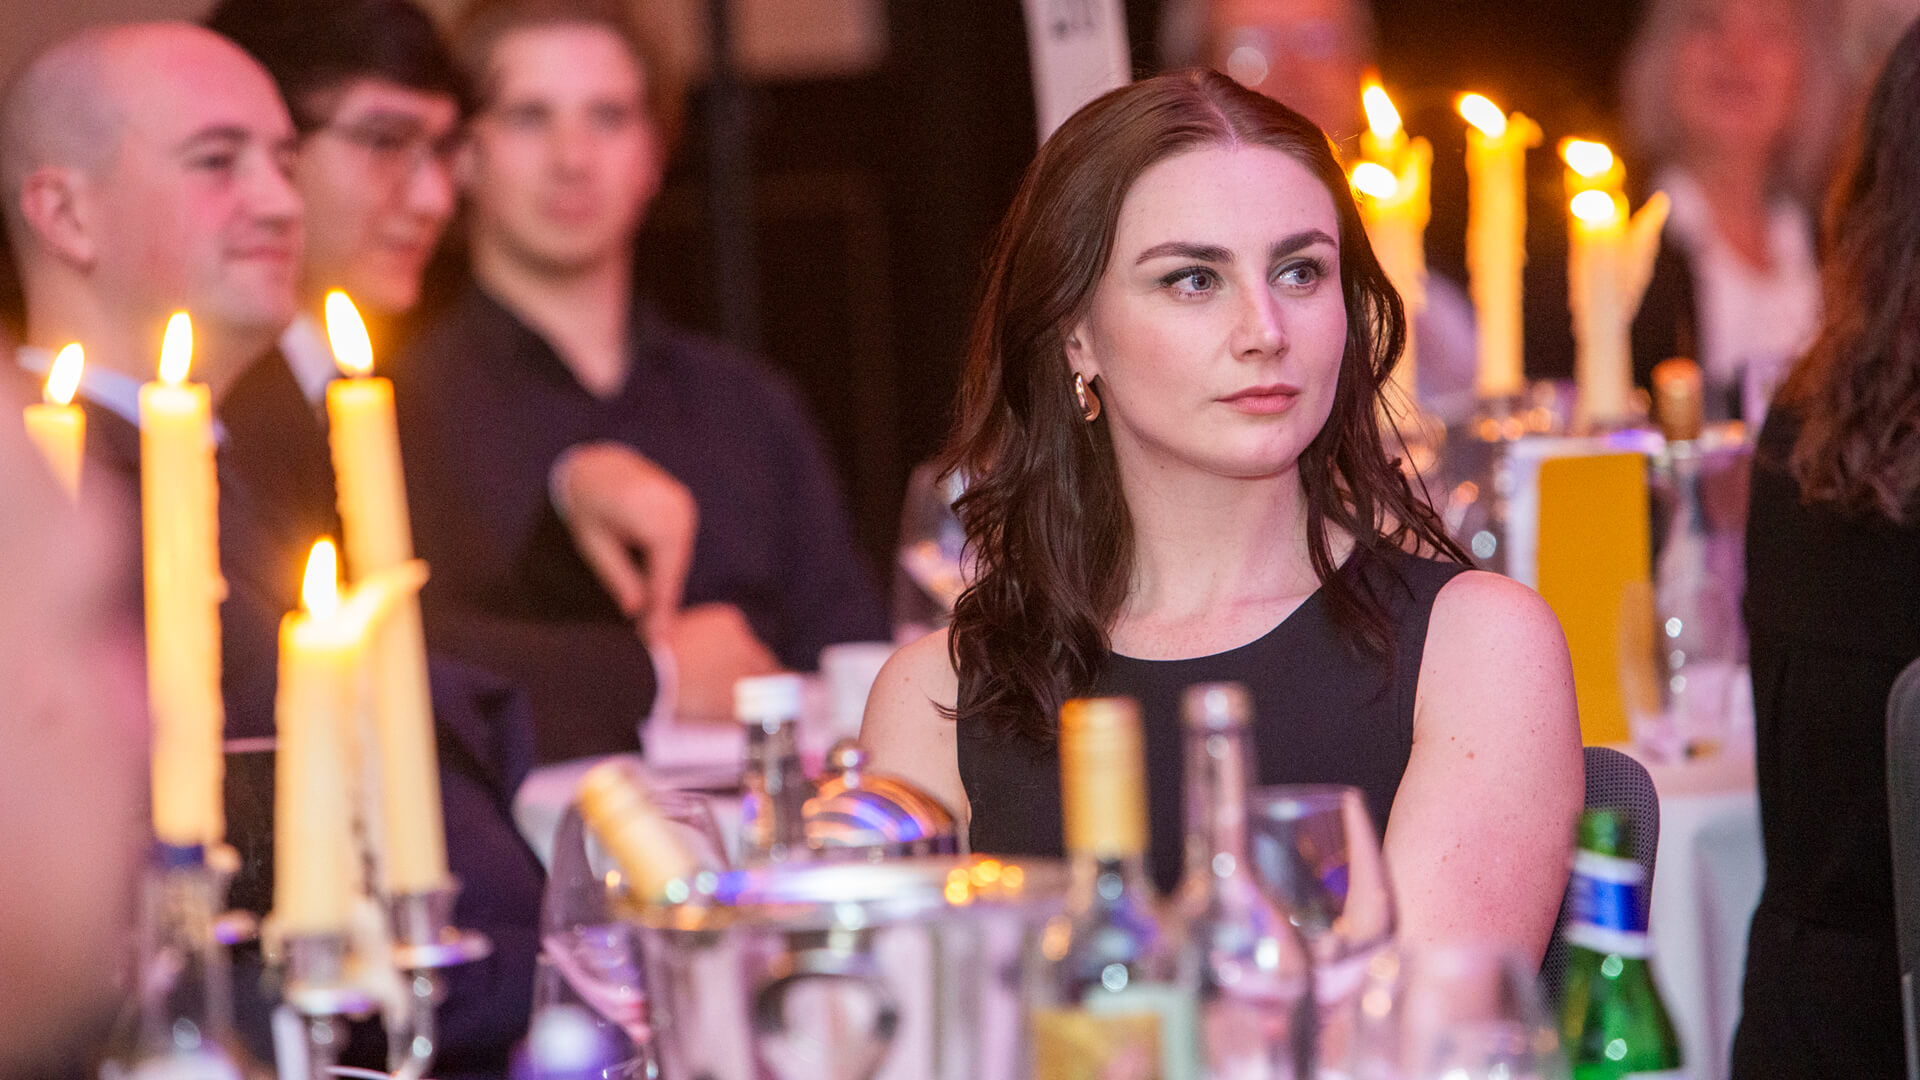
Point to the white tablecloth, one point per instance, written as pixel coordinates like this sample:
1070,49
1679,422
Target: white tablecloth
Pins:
1706,883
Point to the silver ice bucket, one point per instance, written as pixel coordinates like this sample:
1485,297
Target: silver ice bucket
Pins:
900,970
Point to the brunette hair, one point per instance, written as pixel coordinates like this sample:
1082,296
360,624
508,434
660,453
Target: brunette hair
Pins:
1857,390
1046,520
482,23
312,47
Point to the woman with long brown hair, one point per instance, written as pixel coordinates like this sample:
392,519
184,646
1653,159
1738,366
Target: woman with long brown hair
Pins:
1833,615
1176,475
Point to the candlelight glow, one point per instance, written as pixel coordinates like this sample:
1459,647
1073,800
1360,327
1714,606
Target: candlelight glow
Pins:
1382,118
348,334
1594,207
176,349
1483,114
64,379
320,592
1586,158
1375,180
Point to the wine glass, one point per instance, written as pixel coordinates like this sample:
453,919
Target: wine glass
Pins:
588,955
1316,851
1450,1012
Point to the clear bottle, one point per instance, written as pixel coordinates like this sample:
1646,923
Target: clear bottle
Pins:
1240,949
1612,1020
1696,601
772,817
179,1023
1104,993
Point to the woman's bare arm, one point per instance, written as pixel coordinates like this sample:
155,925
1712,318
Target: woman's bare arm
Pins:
1482,830
906,734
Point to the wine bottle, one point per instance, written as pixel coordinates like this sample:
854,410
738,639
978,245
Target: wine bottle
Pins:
1241,950
1105,1000
617,804
772,817
1612,1019
179,1023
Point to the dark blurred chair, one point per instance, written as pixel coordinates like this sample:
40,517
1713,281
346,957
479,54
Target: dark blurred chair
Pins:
1614,782
1903,806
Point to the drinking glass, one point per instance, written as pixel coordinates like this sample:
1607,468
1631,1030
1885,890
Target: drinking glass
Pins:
1315,849
588,955
1451,1012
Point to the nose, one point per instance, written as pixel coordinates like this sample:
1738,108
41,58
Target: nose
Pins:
568,146
272,195
430,189
1260,330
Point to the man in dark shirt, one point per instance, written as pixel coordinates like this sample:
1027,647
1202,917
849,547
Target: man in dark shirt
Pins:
564,445
146,169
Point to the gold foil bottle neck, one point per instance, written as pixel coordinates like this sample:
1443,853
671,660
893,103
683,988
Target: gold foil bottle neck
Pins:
1678,400
1103,777
617,804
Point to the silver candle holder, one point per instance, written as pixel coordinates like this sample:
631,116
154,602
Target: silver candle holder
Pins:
425,941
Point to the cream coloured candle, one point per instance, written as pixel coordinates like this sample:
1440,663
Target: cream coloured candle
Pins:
56,424
1609,262
318,698
180,533
374,520
1497,147
1395,180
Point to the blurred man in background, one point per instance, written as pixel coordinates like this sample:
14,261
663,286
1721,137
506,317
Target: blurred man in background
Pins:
564,444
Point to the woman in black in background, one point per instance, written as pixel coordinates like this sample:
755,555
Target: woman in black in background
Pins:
1176,476
1833,612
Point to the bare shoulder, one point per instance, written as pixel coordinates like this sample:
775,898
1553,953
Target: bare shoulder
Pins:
908,729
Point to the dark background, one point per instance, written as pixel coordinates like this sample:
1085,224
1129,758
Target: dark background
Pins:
873,198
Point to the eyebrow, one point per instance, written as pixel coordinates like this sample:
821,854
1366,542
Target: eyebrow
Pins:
232,134
1216,254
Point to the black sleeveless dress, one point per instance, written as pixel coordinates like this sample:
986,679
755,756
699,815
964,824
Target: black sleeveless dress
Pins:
1323,713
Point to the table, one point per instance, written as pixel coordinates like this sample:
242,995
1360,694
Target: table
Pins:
1706,884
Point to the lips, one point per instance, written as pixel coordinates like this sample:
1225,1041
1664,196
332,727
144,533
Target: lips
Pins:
1263,400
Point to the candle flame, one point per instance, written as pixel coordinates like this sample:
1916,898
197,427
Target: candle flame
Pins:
1375,180
64,379
176,349
320,592
1589,159
1382,118
1483,114
1594,207
348,335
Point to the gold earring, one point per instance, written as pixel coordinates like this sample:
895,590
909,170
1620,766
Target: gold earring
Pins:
1087,397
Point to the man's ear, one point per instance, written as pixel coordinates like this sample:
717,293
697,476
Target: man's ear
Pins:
55,204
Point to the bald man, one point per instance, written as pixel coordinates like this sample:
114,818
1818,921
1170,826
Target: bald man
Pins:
145,170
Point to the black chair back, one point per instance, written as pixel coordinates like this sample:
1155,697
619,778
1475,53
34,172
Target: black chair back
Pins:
1903,808
1614,782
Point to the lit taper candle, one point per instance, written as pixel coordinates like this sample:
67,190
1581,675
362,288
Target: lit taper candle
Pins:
1497,147
56,424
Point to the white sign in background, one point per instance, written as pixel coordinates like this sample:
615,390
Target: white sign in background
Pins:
1079,51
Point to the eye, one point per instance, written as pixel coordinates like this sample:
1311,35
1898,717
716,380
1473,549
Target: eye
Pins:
1301,273
218,161
522,117
611,117
1191,281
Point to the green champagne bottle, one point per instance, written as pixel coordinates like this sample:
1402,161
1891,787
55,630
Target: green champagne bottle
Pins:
1612,1020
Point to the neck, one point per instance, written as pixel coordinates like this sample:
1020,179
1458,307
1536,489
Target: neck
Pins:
582,311
1207,546
128,342
1735,185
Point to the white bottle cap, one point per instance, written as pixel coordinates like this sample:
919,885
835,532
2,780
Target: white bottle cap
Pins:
767,697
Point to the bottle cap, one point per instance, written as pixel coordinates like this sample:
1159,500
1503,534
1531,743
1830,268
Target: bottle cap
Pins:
767,697
617,803
1103,777
1217,706
1677,398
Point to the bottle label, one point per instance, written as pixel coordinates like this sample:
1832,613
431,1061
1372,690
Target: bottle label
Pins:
1142,1033
1663,1074
1605,900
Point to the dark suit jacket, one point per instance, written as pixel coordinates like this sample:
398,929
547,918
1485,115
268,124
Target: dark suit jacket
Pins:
275,499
